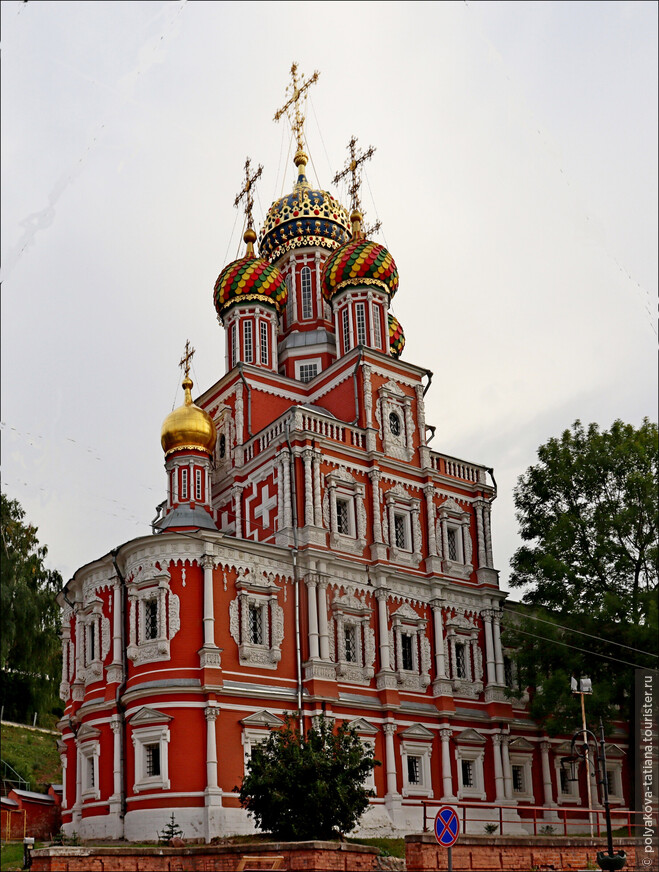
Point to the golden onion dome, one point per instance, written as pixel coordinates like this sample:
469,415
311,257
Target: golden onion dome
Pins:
188,427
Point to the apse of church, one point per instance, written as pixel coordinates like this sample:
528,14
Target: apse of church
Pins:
312,554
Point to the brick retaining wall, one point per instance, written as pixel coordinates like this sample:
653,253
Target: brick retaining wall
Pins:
515,853
296,857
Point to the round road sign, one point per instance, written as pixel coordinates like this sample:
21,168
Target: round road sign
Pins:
447,826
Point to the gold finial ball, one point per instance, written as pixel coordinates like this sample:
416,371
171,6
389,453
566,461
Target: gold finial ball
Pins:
250,236
188,427
300,158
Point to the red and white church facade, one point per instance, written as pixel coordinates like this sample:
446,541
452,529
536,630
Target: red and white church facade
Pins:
314,555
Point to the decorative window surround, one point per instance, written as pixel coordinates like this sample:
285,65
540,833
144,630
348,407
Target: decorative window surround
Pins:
367,733
416,750
150,727
89,752
614,758
341,486
349,611
454,520
405,621
460,631
471,749
148,585
394,405
256,729
521,755
256,590
566,791
403,517
94,636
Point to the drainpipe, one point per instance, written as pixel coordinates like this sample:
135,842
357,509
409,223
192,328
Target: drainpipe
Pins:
249,400
118,701
432,433
491,471
296,580
354,381
427,387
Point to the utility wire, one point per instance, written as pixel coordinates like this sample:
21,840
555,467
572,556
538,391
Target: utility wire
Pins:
580,632
583,650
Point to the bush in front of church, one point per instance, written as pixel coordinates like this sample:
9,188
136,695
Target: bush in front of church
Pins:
308,787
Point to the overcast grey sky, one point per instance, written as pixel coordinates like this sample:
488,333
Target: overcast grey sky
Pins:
515,177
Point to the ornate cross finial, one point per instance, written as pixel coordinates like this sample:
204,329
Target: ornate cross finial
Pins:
296,90
246,192
352,168
187,357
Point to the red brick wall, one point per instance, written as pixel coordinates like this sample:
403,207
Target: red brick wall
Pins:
306,857
511,854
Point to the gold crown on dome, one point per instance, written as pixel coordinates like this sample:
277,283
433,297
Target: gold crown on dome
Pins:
188,427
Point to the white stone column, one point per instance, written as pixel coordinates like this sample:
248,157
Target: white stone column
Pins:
440,660
480,533
385,654
488,535
375,476
451,645
317,499
236,493
429,491
489,646
546,774
323,630
416,528
115,726
209,613
390,757
507,770
498,651
332,506
286,475
308,488
64,761
211,712
447,775
312,611
498,769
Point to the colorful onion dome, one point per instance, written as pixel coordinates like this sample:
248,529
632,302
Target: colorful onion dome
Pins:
304,217
188,427
396,336
250,278
357,263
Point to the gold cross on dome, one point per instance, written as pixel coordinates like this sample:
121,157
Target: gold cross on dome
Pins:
353,168
246,192
296,90
187,357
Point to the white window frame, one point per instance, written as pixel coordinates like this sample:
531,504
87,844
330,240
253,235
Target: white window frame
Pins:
351,611
89,753
405,621
403,515
307,362
345,330
523,760
256,729
248,341
423,751
264,333
347,500
306,293
476,756
377,327
142,738
306,377
454,531
263,595
360,323
198,485
233,333
185,490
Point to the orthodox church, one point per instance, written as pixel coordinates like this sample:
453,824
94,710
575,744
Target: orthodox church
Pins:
313,555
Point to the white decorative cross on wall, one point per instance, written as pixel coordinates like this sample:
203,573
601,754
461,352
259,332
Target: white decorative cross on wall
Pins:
267,504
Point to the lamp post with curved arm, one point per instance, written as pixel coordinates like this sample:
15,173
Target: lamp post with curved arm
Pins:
606,860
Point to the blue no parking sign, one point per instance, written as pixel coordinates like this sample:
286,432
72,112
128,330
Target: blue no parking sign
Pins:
447,826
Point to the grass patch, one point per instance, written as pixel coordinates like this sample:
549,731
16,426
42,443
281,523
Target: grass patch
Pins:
387,847
11,855
33,755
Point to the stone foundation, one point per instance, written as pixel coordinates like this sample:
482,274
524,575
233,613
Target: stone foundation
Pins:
516,853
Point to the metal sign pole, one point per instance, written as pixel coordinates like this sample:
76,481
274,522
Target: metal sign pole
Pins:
450,860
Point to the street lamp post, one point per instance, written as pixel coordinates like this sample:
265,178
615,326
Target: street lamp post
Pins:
606,860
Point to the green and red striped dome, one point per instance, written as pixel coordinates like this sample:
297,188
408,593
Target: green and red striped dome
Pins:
357,263
396,336
250,278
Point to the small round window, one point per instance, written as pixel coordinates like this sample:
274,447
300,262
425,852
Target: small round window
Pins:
394,423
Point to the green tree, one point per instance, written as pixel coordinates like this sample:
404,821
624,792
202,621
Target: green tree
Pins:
30,662
588,511
309,787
